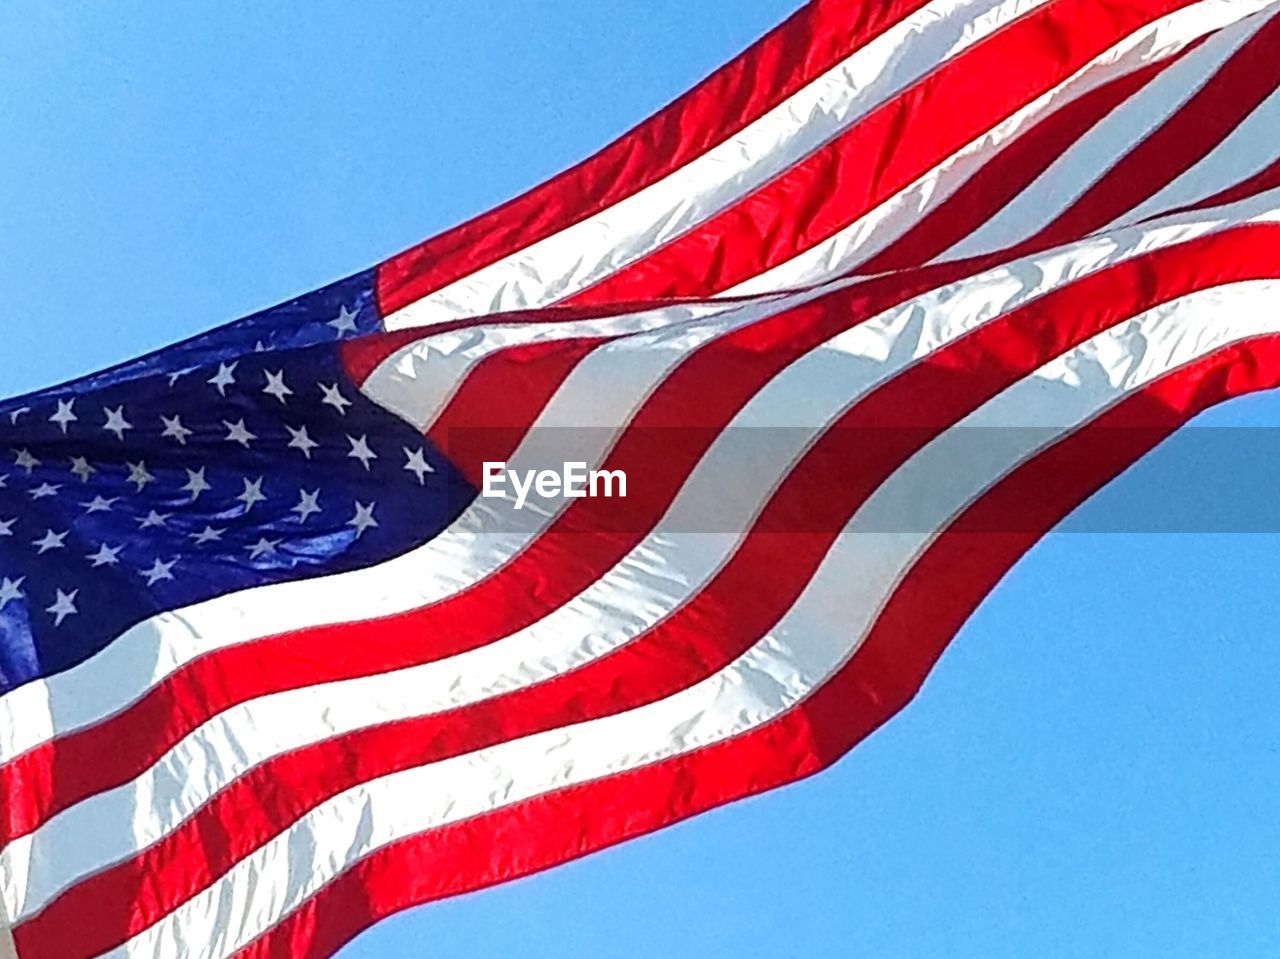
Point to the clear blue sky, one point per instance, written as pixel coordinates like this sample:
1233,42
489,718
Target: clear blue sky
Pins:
1092,770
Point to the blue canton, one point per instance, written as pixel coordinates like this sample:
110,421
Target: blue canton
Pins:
235,459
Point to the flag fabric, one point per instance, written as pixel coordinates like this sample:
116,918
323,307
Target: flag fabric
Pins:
859,319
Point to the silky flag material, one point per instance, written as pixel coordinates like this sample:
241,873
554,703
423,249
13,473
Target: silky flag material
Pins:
841,333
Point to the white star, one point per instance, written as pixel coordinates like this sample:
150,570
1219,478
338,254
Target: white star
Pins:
9,590
174,429
50,540
308,503
360,450
63,415
333,397
252,494
237,432
24,460
345,322
159,571
207,535
80,467
418,464
196,483
45,489
116,423
299,440
276,386
224,378
14,414
138,474
105,556
263,547
179,374
6,526
154,519
63,606
363,518
99,504
4,480
259,347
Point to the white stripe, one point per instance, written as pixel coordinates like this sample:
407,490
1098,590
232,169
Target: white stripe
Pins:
1094,154
418,380
1247,150
873,232
652,581
583,254
821,631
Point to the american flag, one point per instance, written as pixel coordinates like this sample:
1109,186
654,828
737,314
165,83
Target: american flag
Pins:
860,318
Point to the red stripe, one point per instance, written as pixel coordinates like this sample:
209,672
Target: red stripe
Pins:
361,356
1009,172
890,148
501,398
735,610
801,49
925,612
1235,91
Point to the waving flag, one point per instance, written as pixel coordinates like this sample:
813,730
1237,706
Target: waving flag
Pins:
858,319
